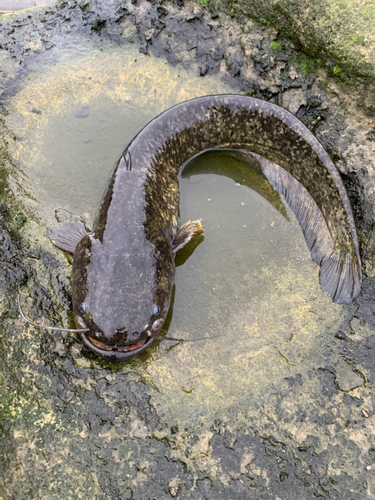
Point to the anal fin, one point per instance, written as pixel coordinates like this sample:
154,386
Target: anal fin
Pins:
186,232
67,236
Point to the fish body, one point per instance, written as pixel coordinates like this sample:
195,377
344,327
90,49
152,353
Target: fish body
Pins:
123,270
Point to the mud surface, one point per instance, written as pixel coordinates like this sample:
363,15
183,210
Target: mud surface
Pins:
299,422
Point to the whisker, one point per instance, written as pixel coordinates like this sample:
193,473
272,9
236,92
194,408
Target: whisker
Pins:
203,338
49,327
161,337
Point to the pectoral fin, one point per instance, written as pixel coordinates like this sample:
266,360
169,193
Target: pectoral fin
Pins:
67,236
186,232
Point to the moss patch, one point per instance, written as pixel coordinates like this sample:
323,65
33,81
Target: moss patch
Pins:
340,32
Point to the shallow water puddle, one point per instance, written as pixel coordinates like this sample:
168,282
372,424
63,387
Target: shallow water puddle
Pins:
73,119
250,285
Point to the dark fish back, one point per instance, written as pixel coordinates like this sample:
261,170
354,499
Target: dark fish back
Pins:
307,177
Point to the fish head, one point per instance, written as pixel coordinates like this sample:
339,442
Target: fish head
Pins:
122,295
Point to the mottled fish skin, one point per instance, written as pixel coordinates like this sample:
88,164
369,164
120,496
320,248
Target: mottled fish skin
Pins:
125,267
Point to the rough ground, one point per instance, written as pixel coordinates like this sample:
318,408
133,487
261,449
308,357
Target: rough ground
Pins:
75,427
340,32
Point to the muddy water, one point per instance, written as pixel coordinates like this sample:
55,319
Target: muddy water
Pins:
73,119
250,285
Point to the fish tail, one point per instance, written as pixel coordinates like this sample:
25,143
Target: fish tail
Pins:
340,273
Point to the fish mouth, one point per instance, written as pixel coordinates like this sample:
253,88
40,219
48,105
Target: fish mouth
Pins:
115,353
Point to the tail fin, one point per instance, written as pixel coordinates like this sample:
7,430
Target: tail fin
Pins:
341,276
340,273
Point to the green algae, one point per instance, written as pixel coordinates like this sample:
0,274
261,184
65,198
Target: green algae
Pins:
307,65
276,46
340,32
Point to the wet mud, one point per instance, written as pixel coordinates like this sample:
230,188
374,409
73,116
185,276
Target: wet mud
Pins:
288,411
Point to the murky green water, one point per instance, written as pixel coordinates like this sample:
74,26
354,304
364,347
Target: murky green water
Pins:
74,118
251,284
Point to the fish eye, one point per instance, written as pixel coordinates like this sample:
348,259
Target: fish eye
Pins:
156,311
82,308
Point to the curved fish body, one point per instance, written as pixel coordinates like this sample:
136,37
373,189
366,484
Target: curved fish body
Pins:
123,271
